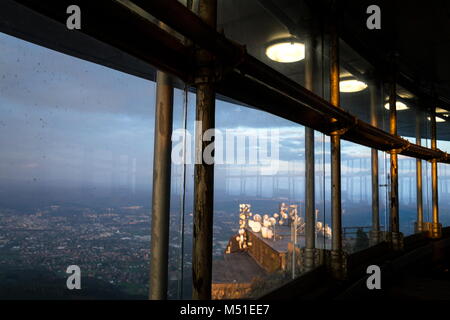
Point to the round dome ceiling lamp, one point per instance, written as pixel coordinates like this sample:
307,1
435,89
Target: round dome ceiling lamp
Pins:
350,84
286,50
399,106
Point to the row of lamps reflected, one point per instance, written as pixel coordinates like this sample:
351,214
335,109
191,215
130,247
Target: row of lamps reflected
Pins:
290,50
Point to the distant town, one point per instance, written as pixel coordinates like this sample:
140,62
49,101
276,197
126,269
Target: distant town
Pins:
109,238
109,244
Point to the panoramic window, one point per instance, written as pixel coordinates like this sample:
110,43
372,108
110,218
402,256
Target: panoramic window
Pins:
259,207
76,172
230,149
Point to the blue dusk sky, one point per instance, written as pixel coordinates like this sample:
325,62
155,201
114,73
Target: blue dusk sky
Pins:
65,121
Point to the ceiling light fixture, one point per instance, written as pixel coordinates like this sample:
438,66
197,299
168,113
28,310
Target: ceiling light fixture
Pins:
399,106
286,50
440,110
351,85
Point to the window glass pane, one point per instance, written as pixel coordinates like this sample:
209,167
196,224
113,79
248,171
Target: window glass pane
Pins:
427,191
182,196
359,89
407,183
259,189
442,129
384,183
408,109
277,40
323,189
444,193
356,196
76,172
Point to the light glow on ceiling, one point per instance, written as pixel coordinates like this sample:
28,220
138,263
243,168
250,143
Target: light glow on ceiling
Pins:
286,51
351,85
399,106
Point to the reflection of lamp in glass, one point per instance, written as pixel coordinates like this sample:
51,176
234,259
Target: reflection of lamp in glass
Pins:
399,106
440,110
405,94
438,119
351,85
286,50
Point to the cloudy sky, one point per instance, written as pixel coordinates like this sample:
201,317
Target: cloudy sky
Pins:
65,121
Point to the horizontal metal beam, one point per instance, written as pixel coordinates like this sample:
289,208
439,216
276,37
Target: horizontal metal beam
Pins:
23,23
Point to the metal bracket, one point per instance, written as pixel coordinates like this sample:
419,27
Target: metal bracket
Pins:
219,70
400,150
223,69
440,159
204,79
344,130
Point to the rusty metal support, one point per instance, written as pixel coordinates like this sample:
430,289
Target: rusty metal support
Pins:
374,105
336,210
337,261
436,228
204,172
419,223
161,187
310,221
394,227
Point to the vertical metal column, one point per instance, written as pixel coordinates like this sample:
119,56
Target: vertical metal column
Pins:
374,104
419,194
436,227
204,173
394,209
161,187
310,221
336,210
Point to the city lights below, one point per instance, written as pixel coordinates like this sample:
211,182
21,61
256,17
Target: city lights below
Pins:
286,51
351,85
399,106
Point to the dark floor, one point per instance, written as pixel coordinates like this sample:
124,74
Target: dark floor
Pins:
236,267
431,284
427,281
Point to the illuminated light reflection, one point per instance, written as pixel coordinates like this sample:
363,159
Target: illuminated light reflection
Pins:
438,119
286,52
440,110
399,106
351,85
